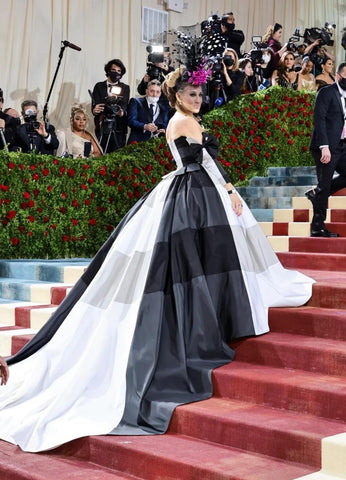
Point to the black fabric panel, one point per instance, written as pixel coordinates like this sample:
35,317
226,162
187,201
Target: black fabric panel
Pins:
52,325
195,301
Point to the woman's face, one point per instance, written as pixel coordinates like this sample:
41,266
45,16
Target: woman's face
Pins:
79,122
248,69
328,66
289,61
277,35
190,98
307,67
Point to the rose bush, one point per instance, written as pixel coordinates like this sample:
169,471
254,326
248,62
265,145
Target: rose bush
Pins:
54,207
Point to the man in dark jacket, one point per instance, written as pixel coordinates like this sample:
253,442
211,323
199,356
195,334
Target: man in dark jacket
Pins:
34,135
146,116
328,147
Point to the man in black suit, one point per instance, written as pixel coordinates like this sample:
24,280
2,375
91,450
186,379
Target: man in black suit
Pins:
109,107
328,147
33,135
146,116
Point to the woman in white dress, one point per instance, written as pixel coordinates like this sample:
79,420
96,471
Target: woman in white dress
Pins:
77,141
187,270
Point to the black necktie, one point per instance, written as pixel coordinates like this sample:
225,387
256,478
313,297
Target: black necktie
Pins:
152,111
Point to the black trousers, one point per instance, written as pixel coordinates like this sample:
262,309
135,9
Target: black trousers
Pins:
326,183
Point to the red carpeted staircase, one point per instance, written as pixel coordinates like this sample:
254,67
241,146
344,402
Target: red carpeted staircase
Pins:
271,408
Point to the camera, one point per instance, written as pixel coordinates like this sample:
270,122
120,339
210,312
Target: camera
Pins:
211,25
155,55
322,34
228,60
30,118
111,108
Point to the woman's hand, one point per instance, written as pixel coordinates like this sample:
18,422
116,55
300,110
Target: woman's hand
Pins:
4,372
236,204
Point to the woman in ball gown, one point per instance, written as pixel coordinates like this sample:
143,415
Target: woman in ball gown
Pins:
187,270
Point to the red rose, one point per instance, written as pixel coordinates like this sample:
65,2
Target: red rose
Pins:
11,165
29,233
45,220
33,167
136,170
91,180
45,172
102,170
83,187
87,201
14,241
63,195
26,195
50,188
71,172
11,214
65,238
92,221
75,203
31,218
53,226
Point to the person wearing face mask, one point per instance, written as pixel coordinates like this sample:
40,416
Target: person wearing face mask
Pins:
110,99
234,38
328,147
147,117
34,135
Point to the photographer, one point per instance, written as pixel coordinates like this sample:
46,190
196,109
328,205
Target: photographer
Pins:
33,135
9,121
110,99
234,38
158,66
147,117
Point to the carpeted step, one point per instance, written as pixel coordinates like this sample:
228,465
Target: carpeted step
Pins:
172,457
18,342
18,465
294,390
319,245
326,356
320,261
286,435
312,321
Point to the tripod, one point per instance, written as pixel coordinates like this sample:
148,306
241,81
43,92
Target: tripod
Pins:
108,130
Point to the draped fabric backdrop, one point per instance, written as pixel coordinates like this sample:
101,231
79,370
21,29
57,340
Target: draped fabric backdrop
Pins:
32,31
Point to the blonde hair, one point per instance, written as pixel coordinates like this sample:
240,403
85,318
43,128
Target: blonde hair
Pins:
75,109
171,85
235,65
268,34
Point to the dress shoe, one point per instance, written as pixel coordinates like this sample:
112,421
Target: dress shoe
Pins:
323,232
311,194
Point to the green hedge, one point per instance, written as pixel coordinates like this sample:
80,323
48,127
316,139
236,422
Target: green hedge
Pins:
55,208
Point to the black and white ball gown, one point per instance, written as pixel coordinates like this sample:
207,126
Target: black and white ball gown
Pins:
144,327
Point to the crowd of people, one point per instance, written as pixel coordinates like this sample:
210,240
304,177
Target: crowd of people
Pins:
119,119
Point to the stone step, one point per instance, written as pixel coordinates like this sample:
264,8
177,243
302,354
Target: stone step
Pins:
334,202
273,191
278,181
64,271
291,171
27,290
298,229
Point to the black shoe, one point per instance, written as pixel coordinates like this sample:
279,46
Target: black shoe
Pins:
323,232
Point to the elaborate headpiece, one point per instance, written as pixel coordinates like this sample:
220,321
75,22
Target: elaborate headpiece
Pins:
196,54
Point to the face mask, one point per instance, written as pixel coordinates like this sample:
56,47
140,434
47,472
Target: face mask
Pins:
342,83
114,76
153,99
266,58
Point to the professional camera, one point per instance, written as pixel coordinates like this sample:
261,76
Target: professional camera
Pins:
256,53
30,118
155,55
111,108
211,25
323,34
